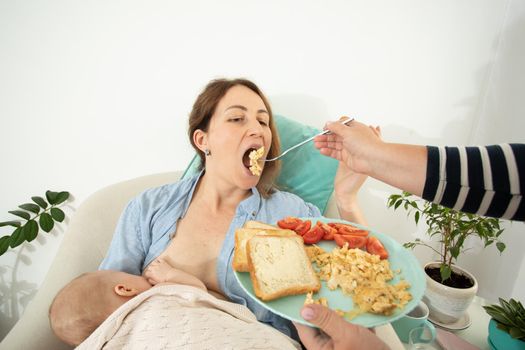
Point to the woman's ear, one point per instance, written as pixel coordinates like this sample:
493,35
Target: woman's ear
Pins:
123,291
200,138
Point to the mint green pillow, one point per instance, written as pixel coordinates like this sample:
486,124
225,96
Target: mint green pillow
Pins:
304,171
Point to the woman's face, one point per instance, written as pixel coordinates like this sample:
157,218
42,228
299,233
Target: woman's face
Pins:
239,125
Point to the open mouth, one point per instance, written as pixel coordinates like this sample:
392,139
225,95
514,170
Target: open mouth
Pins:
252,160
246,157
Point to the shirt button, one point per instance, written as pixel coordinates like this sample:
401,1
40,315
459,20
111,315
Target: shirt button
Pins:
253,214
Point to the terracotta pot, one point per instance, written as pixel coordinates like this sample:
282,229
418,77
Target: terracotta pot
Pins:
448,304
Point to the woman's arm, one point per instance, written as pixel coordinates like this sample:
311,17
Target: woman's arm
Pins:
126,251
486,180
347,183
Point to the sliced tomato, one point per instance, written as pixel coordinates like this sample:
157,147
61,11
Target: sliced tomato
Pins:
350,230
345,229
353,241
314,235
374,246
289,223
303,227
328,231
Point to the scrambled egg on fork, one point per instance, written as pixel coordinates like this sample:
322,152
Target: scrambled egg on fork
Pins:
255,166
363,276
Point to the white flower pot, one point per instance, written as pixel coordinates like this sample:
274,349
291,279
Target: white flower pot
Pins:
448,304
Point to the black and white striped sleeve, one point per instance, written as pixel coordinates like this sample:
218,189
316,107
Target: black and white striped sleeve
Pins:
485,180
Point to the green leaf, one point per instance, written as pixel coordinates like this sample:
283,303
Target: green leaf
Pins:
57,214
46,222
17,237
398,203
20,213
454,251
501,246
4,244
61,197
40,201
10,223
51,197
445,272
30,207
507,307
30,230
409,245
417,217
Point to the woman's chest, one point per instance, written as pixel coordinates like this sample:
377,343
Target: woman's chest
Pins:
196,245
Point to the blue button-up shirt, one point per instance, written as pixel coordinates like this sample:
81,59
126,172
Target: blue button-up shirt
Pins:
146,225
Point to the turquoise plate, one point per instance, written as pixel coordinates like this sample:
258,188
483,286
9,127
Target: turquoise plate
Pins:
399,258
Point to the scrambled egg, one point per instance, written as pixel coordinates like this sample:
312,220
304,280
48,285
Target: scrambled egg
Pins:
321,301
311,300
255,155
362,276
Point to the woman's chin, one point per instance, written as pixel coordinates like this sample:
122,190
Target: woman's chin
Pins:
249,180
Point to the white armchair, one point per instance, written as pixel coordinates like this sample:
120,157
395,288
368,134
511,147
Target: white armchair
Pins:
85,243
84,246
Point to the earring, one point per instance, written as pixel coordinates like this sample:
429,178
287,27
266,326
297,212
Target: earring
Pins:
207,152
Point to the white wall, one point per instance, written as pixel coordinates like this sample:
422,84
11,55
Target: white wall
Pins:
96,92
500,119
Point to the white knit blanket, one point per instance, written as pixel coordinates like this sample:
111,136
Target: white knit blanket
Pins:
184,317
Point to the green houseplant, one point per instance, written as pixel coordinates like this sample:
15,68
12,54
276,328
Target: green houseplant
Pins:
452,228
507,327
41,214
450,288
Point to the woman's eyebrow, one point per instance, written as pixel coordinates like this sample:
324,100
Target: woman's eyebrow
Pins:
237,106
245,109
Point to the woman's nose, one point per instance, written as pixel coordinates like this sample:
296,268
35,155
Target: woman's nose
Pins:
255,128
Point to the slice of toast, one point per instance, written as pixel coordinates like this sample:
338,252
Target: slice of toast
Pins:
279,267
242,235
258,224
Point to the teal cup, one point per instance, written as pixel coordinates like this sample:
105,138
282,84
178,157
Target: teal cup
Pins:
418,317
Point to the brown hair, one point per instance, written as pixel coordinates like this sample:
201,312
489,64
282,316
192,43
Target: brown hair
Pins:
201,114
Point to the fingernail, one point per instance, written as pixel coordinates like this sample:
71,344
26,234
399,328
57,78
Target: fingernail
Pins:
307,313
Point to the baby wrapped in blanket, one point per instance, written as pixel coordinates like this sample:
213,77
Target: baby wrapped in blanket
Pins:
114,310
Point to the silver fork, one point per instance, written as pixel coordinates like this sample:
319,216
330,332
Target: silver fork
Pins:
346,121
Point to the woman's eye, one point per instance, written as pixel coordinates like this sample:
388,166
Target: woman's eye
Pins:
263,122
236,119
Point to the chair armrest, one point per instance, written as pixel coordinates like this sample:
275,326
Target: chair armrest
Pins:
83,247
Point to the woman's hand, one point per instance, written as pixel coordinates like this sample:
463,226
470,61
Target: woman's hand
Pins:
347,184
351,144
334,333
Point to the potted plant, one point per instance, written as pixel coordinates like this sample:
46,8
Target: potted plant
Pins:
507,326
450,288
45,212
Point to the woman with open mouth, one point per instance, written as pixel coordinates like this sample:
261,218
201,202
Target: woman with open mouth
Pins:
191,223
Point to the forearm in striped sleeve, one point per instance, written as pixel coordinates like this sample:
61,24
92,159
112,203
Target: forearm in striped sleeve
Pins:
485,180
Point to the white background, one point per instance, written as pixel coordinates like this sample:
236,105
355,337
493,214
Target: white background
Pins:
92,93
